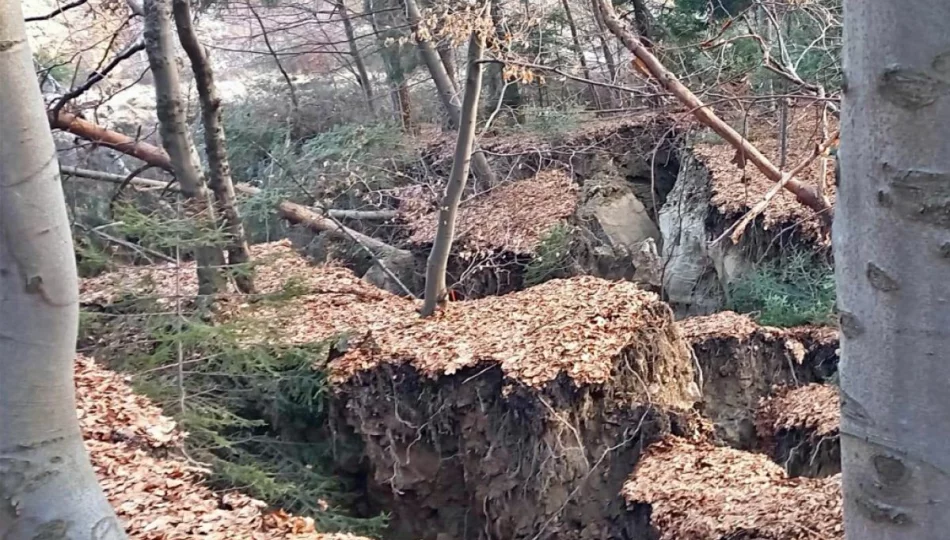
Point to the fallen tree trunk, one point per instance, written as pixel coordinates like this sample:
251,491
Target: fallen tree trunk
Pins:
704,114
291,211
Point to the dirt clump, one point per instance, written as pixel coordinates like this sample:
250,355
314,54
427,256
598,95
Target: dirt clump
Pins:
739,362
799,428
517,416
695,490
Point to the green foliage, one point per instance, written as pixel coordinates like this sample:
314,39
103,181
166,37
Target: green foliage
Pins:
58,70
255,410
91,258
793,290
553,257
165,232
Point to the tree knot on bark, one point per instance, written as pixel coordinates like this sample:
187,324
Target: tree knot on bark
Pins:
7,44
34,284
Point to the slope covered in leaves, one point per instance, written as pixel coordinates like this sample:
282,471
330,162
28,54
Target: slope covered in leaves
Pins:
157,495
511,217
699,491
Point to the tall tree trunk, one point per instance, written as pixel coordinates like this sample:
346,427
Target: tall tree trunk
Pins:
579,50
365,83
435,290
219,173
447,55
598,12
48,488
646,26
892,259
447,94
175,135
395,75
507,93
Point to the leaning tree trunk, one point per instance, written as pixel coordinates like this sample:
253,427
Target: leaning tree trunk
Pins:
365,83
446,91
892,258
175,135
48,488
219,173
579,50
598,13
439,257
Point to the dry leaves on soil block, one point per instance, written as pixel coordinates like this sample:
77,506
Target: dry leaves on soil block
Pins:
813,408
513,216
577,326
156,495
699,491
735,191
725,324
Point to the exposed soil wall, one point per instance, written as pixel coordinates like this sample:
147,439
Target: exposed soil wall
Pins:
519,448
741,362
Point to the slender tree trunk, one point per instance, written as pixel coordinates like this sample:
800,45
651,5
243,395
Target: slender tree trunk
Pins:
175,135
405,105
48,488
365,83
646,26
508,93
219,174
447,95
892,259
443,83
579,50
598,12
439,257
395,75
447,56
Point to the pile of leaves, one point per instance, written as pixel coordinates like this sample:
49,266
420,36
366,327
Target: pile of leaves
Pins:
156,493
722,325
813,408
579,327
699,490
511,217
736,190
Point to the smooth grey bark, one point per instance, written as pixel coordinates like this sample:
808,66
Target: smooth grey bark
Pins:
435,290
447,55
216,146
892,258
365,83
176,137
48,488
447,93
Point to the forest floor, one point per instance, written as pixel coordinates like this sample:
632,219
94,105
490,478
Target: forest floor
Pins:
156,491
697,487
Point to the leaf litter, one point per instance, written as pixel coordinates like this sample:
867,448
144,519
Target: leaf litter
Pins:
513,216
813,408
699,491
157,494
